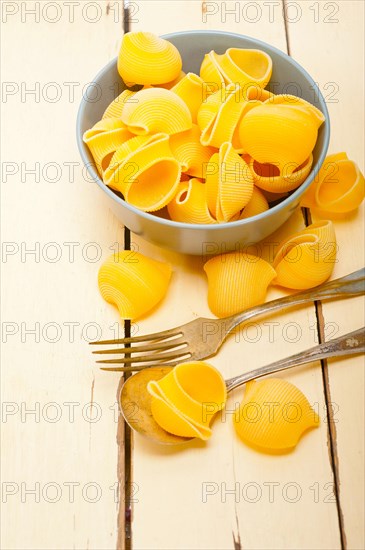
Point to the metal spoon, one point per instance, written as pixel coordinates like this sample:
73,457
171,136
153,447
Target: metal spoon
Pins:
135,401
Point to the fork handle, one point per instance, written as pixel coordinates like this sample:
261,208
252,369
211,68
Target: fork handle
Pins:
345,287
349,344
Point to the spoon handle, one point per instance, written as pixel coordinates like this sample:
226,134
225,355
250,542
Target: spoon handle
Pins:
349,344
350,285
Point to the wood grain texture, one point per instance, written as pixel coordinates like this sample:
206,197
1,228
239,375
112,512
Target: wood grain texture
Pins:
231,491
220,495
70,461
335,58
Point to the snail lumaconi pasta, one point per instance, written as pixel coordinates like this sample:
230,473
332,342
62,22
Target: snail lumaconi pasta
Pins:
237,281
133,282
156,110
256,205
182,400
338,188
192,155
282,135
273,415
190,89
220,114
295,101
145,171
229,183
145,58
189,205
104,138
245,67
269,178
223,119
307,258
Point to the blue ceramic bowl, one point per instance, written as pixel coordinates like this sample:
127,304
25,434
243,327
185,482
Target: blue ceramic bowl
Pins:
287,77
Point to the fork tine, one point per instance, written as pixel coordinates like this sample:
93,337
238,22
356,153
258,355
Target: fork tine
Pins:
157,346
147,337
144,358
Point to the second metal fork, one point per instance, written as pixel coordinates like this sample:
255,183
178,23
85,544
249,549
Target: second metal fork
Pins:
203,337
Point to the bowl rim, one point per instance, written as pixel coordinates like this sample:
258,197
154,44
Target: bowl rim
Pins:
219,226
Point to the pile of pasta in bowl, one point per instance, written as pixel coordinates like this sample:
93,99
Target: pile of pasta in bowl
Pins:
202,149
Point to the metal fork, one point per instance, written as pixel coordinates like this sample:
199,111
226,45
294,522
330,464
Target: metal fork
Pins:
203,337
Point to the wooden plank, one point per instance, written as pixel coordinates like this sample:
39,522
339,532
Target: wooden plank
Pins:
173,507
52,371
340,74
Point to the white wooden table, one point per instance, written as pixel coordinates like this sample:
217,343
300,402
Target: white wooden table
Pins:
71,476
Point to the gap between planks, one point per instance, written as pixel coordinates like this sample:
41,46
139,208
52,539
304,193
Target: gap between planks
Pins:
331,432
124,436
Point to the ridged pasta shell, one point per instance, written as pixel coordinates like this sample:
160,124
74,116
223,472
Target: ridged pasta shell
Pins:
268,177
255,206
145,58
104,138
220,115
145,171
307,258
237,281
190,89
156,110
229,183
338,188
278,134
273,415
180,399
115,108
192,155
210,73
190,204
133,282
295,101
244,67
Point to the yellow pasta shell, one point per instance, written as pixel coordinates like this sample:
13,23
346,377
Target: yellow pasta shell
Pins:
229,183
294,101
273,415
133,282
104,138
192,155
268,177
255,206
145,171
244,67
190,204
279,134
237,281
307,258
338,188
115,108
210,73
327,169
156,110
145,58
180,399
220,114
190,89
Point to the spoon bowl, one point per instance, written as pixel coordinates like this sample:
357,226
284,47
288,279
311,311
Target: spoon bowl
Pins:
135,404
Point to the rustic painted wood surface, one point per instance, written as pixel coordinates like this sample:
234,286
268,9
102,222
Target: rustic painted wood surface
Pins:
74,462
